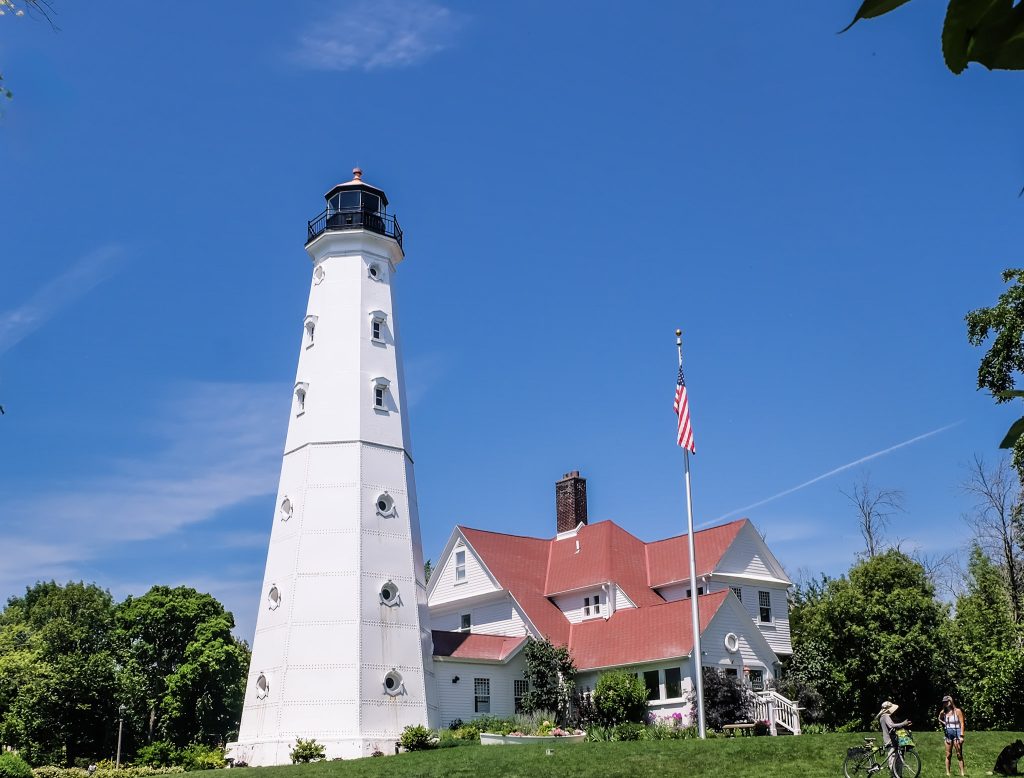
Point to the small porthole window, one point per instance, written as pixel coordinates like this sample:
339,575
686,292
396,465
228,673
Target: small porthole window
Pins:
274,597
393,683
375,272
318,275
385,505
286,510
389,594
380,394
300,398
262,687
310,328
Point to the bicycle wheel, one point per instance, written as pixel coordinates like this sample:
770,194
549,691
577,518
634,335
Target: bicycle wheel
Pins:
856,766
908,765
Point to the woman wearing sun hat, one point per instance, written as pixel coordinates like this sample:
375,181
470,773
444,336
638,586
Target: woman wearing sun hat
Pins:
889,728
952,720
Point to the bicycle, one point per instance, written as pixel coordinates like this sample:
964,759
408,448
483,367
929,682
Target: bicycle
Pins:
863,761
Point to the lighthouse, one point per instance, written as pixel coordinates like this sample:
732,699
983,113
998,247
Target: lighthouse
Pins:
342,652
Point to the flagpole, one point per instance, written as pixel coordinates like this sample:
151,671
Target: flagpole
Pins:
698,673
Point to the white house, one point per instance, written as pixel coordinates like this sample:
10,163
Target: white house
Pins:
615,601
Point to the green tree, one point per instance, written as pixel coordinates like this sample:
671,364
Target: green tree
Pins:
989,32
58,672
878,633
183,673
551,675
987,643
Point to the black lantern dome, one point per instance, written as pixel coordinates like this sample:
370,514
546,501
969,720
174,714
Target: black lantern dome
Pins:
356,205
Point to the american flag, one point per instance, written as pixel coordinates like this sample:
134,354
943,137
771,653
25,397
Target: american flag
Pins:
684,432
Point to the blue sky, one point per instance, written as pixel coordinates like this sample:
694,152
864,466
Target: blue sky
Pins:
817,211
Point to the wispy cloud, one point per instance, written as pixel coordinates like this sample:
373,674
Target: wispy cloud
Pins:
834,471
83,275
219,446
425,371
368,35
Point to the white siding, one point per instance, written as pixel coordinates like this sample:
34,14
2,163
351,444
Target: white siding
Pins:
621,600
477,581
457,699
751,651
677,591
572,605
776,632
663,706
745,557
493,618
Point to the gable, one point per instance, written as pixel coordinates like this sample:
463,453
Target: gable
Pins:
445,583
748,555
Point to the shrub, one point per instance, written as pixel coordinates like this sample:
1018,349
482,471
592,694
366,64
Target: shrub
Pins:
620,697
630,731
160,753
495,725
13,766
467,732
416,738
761,728
200,757
599,734
307,751
456,724
551,677
726,699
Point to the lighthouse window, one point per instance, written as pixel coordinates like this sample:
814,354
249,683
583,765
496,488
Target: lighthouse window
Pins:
389,594
371,202
286,510
274,597
343,201
262,687
374,271
385,505
378,396
310,327
393,683
375,329
300,399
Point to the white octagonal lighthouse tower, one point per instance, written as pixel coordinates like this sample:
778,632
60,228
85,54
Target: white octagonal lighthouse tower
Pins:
342,651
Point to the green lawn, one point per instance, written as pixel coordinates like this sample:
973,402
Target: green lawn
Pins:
810,756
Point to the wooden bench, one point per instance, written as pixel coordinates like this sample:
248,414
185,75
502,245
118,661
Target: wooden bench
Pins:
743,729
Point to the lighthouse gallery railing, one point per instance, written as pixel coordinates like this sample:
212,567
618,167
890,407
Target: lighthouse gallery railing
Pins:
332,220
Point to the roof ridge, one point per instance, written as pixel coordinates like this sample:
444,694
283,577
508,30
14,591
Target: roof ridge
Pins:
463,528
698,532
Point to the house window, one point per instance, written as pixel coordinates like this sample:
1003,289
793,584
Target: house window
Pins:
738,591
466,622
519,688
460,566
764,600
586,606
597,604
673,683
757,680
700,592
731,672
653,685
482,695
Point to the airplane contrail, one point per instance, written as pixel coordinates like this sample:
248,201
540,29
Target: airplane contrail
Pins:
833,472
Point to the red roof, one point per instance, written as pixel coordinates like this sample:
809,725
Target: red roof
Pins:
465,645
533,570
634,635
668,560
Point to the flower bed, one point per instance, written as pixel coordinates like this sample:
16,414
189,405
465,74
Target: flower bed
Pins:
518,739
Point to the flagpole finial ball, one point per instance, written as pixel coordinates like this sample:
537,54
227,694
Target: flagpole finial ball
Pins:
678,333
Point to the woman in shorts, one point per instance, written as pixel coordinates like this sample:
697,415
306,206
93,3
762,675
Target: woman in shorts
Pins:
952,720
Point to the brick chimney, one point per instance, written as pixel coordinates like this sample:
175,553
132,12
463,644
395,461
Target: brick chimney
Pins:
571,501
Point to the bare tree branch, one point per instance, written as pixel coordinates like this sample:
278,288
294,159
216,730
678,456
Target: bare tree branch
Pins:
997,522
874,509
